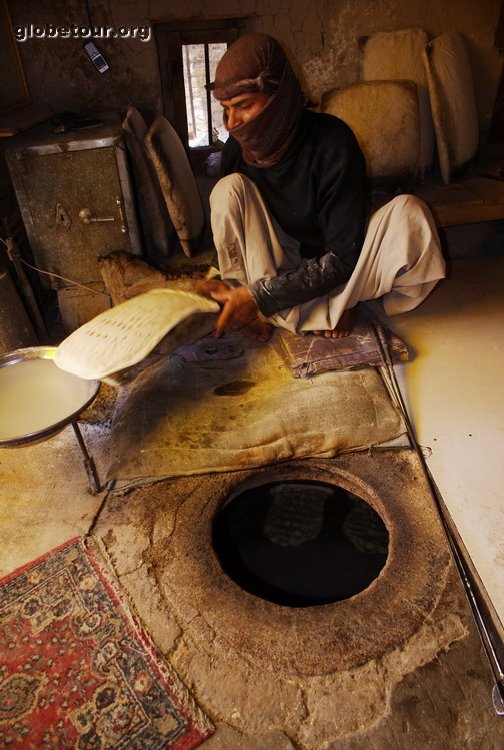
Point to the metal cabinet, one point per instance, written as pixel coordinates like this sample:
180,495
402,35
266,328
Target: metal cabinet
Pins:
75,197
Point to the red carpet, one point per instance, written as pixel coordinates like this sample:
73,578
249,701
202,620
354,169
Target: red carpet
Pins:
77,670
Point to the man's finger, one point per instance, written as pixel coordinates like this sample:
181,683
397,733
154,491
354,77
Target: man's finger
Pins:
219,296
224,320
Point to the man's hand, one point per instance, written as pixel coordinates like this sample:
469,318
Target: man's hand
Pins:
239,309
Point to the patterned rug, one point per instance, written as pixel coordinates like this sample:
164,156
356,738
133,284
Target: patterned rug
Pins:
77,670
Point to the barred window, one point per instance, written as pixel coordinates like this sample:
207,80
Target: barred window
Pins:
188,55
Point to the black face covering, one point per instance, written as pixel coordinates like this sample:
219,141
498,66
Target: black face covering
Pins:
257,64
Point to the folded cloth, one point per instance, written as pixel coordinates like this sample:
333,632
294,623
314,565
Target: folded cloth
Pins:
307,355
231,403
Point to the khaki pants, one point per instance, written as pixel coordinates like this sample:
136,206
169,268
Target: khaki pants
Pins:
400,261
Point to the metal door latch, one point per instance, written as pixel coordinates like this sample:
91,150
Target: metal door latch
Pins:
87,216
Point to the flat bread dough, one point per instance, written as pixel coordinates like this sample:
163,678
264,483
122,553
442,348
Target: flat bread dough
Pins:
125,334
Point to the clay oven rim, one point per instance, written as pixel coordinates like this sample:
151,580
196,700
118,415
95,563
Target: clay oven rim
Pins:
323,638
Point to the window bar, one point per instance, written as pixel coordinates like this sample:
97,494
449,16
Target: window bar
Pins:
190,115
208,95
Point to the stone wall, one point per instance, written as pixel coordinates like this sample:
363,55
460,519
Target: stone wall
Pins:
323,36
320,37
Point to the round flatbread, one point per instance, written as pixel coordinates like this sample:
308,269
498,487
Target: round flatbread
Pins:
122,336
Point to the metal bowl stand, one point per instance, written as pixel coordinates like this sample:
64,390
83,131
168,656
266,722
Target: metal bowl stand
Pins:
89,464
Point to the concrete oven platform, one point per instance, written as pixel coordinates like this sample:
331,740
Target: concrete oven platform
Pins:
397,666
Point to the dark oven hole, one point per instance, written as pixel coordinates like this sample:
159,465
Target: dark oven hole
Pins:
300,543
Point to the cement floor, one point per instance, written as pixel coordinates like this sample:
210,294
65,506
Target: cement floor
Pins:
356,674
453,391
441,702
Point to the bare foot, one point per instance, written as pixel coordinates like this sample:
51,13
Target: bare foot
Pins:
344,327
258,329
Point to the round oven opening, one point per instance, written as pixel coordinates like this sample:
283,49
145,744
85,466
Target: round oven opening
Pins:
300,543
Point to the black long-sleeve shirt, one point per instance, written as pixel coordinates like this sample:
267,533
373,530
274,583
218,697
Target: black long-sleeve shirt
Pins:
316,192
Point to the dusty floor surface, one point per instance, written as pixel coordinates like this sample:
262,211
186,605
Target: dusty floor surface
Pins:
459,331
398,666
277,677
273,678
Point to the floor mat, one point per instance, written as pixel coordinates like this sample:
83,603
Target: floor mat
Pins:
231,403
78,668
308,355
